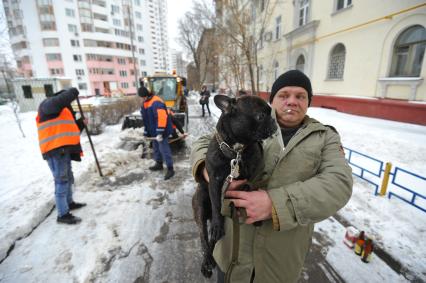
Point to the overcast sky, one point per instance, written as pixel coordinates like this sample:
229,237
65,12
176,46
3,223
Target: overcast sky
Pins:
176,10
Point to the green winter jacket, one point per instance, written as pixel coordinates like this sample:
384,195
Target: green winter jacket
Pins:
308,181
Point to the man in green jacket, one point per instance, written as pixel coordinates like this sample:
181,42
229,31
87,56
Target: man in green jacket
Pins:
306,179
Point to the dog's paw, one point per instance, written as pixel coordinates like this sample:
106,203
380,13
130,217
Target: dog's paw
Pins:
208,265
206,271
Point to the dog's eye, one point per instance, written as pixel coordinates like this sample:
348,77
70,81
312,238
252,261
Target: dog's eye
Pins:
260,116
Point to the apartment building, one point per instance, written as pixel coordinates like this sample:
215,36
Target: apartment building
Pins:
177,62
359,55
157,22
103,46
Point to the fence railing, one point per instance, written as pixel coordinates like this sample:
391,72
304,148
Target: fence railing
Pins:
409,187
405,185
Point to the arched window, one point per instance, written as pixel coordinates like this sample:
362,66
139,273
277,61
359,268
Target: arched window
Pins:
276,67
336,64
300,63
408,53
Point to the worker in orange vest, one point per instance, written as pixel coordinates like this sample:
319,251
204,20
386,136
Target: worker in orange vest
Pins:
158,126
59,140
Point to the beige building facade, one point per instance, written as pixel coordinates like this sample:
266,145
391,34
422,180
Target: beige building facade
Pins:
367,49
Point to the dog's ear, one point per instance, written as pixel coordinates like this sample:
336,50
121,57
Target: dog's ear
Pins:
224,102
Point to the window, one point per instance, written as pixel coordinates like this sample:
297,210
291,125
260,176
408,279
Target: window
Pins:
121,61
341,4
47,25
276,69
27,91
48,89
86,27
337,62
72,28
53,57
123,73
143,63
82,86
77,58
303,12
137,2
50,42
300,63
125,85
56,71
138,15
70,12
141,51
277,27
79,72
116,22
115,9
139,27
408,53
75,43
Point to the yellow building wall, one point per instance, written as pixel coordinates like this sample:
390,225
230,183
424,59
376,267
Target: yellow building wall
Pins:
365,31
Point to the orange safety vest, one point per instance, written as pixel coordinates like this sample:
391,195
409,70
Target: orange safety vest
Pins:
58,132
161,113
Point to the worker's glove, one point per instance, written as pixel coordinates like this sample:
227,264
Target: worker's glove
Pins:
159,138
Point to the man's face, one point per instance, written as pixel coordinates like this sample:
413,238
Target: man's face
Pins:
290,104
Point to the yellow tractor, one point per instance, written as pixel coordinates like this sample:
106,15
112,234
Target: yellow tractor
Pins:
171,88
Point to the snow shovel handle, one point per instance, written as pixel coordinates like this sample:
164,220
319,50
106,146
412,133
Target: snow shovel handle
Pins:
90,139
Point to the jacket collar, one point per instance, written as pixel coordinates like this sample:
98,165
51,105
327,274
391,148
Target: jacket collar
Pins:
309,125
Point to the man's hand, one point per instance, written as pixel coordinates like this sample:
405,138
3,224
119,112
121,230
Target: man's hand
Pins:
159,138
258,204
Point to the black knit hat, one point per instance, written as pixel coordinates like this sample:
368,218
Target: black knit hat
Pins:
292,78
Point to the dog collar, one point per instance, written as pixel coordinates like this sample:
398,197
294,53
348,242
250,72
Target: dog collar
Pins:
227,150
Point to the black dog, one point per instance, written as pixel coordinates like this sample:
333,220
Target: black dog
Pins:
244,123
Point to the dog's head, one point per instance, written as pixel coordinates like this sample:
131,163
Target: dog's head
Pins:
246,119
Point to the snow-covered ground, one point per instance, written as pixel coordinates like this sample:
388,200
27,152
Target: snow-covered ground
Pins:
130,214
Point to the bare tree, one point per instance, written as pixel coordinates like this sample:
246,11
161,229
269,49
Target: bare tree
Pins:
240,26
191,28
7,69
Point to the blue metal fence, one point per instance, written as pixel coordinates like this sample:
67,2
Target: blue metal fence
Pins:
405,185
409,195
355,159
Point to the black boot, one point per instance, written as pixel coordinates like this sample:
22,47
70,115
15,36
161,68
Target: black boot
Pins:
158,166
170,173
68,218
76,205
